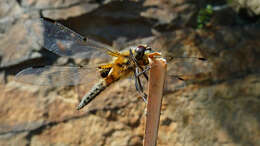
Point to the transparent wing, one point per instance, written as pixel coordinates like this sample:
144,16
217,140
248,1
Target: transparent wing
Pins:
188,66
57,75
183,70
65,42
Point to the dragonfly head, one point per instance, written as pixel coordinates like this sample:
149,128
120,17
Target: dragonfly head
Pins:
141,50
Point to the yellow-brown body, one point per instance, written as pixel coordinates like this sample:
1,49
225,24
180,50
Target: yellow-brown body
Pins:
120,67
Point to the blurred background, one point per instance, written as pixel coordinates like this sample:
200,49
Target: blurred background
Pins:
219,107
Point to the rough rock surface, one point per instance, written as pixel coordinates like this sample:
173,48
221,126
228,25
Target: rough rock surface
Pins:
252,6
220,107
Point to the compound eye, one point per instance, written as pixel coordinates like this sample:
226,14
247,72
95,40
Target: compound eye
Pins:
140,52
140,49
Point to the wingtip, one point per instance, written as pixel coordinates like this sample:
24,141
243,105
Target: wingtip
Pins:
16,77
202,59
20,73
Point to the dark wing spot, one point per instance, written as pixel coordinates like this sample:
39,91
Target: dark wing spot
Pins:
203,59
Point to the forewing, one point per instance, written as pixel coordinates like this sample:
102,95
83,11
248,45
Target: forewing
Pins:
183,70
57,75
188,66
65,42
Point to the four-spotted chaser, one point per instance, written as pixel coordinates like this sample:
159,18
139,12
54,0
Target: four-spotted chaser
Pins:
65,42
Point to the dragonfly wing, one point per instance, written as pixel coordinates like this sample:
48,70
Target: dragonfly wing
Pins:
65,42
57,76
181,70
173,83
188,66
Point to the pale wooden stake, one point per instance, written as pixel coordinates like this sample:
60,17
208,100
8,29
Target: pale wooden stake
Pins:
155,93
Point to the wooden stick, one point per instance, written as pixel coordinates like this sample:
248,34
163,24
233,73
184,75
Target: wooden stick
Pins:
155,93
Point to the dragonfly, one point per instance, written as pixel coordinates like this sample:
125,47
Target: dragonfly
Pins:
131,62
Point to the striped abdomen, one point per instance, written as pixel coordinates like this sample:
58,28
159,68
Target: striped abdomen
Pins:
95,91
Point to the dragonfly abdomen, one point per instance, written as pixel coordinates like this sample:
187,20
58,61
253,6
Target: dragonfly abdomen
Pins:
94,92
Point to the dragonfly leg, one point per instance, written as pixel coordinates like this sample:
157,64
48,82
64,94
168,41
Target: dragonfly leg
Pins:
135,61
144,96
144,71
141,92
139,87
138,80
138,84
